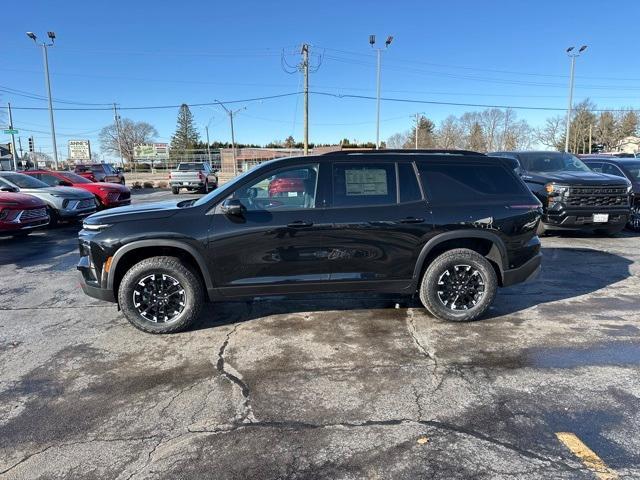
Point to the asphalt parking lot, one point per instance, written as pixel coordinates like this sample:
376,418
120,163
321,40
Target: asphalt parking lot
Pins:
324,387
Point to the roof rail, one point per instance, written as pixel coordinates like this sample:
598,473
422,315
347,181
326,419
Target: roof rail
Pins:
405,151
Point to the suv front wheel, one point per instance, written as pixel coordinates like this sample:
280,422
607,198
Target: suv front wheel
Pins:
459,285
161,295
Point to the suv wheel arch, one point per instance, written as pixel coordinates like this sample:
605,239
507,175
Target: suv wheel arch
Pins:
198,259
497,253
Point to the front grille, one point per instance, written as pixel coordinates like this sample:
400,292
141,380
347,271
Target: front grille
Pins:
601,196
88,203
125,195
34,213
113,196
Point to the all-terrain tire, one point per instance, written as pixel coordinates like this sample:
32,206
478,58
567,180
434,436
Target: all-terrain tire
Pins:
190,282
175,190
430,287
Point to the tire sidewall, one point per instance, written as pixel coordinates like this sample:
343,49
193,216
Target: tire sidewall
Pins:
160,265
429,284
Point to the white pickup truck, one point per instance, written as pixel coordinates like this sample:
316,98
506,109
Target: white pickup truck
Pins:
193,176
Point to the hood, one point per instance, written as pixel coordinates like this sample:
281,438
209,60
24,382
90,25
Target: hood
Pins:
71,193
146,211
103,187
9,199
575,178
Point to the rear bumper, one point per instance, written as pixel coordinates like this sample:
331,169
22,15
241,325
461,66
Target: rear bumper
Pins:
187,184
527,271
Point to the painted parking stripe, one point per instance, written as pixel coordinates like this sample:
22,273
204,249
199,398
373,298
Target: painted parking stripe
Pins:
592,461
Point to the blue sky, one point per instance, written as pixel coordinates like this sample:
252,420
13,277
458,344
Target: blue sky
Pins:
143,53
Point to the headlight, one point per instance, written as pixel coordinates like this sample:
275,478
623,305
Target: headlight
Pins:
95,227
629,188
554,189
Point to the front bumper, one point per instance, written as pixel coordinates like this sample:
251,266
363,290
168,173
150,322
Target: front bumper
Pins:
582,219
90,284
527,271
74,213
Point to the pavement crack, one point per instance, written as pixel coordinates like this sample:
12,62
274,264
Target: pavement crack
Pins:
430,355
234,377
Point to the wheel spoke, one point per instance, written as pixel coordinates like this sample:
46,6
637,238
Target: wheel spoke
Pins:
159,298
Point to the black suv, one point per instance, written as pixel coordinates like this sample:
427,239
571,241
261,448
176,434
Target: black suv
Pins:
574,197
449,227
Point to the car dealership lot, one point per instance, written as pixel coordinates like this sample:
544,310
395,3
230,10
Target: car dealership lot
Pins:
328,386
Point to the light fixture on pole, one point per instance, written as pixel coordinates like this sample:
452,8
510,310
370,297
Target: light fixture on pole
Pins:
573,55
45,55
372,42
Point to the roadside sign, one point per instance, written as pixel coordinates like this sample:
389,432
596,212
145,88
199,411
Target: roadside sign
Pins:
10,131
143,151
79,150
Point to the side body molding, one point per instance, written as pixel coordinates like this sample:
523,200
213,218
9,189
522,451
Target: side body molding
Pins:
122,251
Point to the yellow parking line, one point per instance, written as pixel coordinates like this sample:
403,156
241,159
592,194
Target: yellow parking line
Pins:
592,461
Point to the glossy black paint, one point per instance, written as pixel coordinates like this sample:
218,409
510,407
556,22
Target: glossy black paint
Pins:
564,217
381,248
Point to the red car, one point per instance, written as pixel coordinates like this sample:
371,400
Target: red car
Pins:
108,194
20,213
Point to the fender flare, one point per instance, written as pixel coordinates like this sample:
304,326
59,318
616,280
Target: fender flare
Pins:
498,252
129,247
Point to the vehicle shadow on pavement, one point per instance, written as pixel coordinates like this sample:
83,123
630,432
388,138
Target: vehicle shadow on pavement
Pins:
566,273
40,247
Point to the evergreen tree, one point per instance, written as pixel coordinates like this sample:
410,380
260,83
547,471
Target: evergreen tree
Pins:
426,134
186,136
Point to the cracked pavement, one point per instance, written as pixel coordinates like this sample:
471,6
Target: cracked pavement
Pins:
325,386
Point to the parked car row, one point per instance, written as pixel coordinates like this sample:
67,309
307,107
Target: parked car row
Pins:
36,198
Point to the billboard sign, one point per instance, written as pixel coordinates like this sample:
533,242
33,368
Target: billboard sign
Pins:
79,150
161,150
144,151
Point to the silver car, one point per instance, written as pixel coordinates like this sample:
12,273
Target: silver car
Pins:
63,203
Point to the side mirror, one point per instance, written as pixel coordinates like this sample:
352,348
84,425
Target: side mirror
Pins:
7,188
64,183
232,206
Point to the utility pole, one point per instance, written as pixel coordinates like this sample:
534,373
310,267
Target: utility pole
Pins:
116,118
231,113
45,55
590,136
13,139
372,41
573,57
20,147
206,129
305,69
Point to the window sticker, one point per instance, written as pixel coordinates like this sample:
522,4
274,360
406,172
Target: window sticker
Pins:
368,181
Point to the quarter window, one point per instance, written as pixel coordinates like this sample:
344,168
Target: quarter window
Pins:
291,188
467,182
358,184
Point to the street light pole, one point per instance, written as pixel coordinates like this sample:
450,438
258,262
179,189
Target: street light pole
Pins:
45,56
231,113
573,57
206,129
372,41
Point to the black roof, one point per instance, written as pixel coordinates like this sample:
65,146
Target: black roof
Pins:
606,158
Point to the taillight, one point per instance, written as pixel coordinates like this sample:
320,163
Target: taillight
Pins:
169,175
200,176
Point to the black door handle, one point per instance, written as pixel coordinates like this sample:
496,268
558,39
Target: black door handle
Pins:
299,223
412,220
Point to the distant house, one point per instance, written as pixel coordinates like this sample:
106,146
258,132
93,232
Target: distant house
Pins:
629,144
5,157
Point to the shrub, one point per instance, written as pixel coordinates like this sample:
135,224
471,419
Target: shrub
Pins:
136,185
161,184
147,184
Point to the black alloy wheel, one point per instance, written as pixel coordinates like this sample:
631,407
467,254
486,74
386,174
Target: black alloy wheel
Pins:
461,287
159,298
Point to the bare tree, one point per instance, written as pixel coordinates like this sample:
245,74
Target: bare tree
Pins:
551,134
491,120
449,134
397,140
131,134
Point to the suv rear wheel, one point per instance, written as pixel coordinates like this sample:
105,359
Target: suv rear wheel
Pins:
161,295
459,285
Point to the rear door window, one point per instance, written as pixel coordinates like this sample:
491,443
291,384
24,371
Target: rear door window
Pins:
409,187
465,183
364,184
611,169
596,167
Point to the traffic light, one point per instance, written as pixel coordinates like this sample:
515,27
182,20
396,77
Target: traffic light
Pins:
30,144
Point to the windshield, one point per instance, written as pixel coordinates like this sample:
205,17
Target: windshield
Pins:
551,162
190,166
633,169
74,178
24,181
